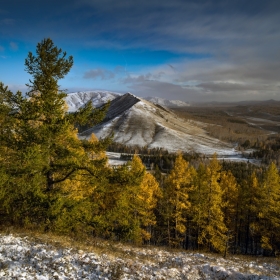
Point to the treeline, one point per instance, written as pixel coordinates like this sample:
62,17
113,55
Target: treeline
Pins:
151,158
50,180
125,149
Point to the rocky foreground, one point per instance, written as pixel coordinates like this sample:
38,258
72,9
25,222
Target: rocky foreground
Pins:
30,258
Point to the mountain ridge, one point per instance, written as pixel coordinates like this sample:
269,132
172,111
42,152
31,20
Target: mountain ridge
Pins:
75,100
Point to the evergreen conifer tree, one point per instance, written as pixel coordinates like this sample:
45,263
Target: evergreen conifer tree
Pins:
41,139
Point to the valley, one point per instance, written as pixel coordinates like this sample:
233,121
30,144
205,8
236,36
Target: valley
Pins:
253,126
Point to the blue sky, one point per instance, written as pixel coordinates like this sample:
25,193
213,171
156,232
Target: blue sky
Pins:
208,50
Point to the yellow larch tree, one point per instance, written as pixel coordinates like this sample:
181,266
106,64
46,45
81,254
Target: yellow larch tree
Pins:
209,216
270,209
75,205
176,195
127,202
146,202
251,194
229,206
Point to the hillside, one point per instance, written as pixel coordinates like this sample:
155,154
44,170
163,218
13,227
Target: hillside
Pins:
41,258
135,121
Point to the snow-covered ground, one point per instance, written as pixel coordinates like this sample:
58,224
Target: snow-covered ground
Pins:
29,258
240,158
115,159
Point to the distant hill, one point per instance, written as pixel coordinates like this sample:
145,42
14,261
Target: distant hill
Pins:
75,100
270,102
166,102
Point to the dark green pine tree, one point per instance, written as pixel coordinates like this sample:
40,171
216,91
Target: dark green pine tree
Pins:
40,149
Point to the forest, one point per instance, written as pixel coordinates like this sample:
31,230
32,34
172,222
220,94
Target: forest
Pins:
52,181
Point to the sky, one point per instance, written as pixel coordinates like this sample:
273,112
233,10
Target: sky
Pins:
194,51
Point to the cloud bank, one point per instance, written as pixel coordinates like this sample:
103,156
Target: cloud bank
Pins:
227,50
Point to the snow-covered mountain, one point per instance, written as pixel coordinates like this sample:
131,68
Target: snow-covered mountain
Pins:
75,100
136,121
166,102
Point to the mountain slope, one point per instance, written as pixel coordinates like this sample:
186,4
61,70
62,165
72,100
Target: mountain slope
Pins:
135,121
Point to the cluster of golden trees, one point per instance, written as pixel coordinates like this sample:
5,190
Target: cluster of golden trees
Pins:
53,181
206,208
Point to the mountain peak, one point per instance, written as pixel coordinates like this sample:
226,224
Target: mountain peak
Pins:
120,104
